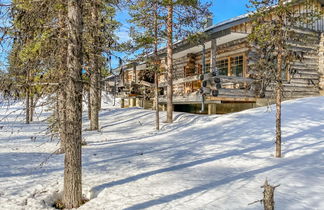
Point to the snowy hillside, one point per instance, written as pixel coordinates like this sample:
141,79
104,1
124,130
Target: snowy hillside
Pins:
199,162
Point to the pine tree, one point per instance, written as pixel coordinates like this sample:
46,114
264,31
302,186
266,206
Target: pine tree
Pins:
32,29
146,16
184,17
99,27
179,20
72,193
169,24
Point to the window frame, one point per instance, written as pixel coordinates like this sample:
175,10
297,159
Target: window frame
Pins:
229,64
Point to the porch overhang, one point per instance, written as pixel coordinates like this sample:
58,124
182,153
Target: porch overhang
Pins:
228,37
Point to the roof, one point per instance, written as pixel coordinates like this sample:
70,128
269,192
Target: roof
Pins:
229,23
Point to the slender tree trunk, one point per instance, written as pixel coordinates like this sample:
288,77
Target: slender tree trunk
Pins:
157,111
203,62
89,102
94,69
170,63
278,104
31,108
27,105
156,75
27,97
101,85
72,195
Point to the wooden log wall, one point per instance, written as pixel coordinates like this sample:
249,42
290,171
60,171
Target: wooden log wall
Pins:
299,8
304,78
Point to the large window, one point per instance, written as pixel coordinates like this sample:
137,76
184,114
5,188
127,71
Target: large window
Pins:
231,66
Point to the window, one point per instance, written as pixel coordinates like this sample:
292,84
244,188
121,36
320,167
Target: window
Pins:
231,66
237,66
222,67
207,67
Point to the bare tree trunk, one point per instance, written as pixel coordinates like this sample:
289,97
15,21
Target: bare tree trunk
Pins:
31,108
27,105
156,79
278,104
89,102
157,111
170,63
268,196
27,97
94,70
72,195
203,62
101,85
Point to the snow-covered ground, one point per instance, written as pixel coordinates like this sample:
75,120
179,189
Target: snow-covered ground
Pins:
198,162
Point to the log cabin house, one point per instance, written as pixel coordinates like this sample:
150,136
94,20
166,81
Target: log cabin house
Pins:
214,77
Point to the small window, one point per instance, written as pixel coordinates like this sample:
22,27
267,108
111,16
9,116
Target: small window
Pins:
207,67
237,66
222,66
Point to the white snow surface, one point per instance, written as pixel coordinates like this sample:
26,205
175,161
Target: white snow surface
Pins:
198,162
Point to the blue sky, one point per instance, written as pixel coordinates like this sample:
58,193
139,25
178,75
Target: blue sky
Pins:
226,9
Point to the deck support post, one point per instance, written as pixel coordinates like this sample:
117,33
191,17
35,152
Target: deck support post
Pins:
139,102
132,102
164,108
212,109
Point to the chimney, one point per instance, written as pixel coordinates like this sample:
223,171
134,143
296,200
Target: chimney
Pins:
209,21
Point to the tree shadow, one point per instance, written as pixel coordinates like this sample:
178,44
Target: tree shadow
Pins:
16,164
204,187
100,188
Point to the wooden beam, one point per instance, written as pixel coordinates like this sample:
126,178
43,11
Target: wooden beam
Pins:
234,99
148,84
228,78
182,80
